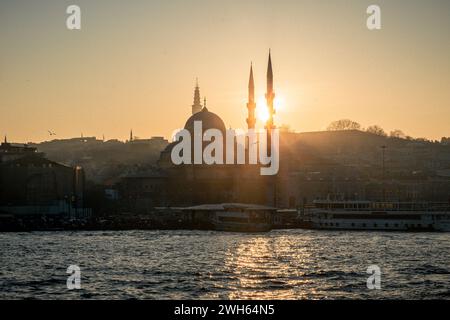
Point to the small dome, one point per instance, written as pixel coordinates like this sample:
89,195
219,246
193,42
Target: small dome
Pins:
209,120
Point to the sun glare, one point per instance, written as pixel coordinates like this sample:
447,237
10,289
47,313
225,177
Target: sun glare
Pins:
278,102
261,110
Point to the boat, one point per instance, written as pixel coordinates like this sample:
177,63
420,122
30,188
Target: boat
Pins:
236,217
367,215
241,221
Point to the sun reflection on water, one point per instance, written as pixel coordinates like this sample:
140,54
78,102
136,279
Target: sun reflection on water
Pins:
268,268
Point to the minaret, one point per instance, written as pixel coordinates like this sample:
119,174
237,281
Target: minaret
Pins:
270,95
197,106
251,101
131,135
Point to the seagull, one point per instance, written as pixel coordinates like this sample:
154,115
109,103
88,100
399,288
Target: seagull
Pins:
51,133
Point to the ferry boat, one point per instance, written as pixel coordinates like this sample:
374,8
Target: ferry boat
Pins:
367,215
236,217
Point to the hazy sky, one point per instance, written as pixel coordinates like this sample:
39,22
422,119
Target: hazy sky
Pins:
134,63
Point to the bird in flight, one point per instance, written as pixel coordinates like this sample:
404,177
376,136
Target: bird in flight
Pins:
51,133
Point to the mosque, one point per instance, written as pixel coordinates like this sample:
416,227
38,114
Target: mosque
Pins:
211,120
194,184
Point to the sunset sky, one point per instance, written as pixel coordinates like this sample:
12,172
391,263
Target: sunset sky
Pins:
134,64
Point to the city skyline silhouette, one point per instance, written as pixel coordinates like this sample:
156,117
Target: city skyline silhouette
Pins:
135,65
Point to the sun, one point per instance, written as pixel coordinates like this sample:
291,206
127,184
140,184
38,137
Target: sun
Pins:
262,113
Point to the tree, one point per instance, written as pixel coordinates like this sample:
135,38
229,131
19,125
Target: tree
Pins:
397,134
344,124
375,129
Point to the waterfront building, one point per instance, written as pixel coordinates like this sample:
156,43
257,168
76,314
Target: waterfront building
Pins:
31,184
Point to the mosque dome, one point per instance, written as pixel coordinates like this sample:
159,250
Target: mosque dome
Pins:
208,119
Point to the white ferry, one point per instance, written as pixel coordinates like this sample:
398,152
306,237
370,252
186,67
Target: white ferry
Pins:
366,215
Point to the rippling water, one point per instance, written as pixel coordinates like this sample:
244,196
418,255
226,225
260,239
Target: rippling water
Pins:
284,264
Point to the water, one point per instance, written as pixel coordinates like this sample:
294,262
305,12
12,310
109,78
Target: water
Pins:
283,264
